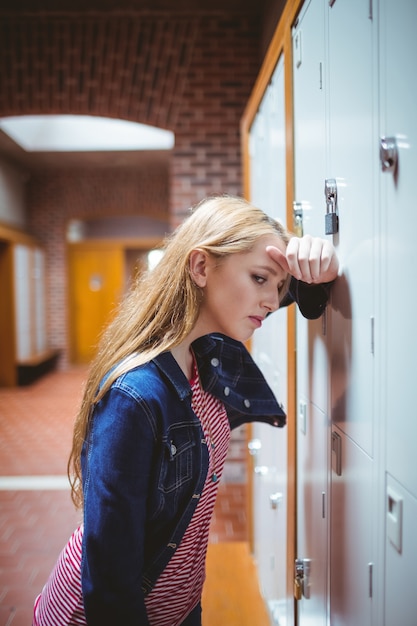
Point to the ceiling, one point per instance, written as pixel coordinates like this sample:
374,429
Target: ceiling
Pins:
123,6
44,8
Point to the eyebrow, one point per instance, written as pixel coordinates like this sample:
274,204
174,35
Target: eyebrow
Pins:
267,268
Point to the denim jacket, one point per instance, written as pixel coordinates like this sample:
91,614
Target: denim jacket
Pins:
144,465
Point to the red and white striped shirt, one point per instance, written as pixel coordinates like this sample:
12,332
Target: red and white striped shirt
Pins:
61,601
178,589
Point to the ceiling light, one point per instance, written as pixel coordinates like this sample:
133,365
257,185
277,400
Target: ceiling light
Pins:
83,133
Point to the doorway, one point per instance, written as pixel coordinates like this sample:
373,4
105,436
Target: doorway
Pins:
99,275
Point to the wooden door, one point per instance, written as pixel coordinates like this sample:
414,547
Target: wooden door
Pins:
96,283
8,373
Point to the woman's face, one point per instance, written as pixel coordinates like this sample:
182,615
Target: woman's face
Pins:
241,290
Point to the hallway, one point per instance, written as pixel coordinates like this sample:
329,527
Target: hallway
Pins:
37,516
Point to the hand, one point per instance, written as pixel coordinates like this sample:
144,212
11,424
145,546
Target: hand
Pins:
309,259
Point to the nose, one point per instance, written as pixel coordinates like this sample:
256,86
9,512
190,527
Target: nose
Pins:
271,301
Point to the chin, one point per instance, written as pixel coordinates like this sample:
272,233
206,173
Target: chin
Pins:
244,338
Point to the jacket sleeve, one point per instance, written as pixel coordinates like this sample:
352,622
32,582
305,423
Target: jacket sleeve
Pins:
311,299
117,461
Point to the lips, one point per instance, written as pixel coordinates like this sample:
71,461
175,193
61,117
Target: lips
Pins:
257,320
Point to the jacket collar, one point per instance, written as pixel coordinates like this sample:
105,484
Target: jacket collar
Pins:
228,371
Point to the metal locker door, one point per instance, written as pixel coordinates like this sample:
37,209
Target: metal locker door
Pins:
351,585
400,606
398,52
269,349
312,367
398,104
353,164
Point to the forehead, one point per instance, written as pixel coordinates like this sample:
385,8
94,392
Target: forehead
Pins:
269,240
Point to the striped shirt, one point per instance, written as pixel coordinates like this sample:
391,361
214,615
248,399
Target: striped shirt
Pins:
61,601
178,589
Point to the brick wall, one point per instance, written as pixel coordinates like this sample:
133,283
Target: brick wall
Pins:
58,197
188,74
222,71
191,74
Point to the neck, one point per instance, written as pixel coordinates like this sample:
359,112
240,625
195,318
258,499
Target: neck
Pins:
183,356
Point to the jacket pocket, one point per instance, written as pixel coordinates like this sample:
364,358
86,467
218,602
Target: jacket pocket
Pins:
179,457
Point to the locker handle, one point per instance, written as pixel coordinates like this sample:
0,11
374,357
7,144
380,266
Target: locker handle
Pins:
388,154
275,499
337,453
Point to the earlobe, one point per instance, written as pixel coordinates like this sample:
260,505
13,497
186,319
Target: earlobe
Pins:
198,267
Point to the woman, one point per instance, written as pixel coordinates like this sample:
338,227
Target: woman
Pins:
170,381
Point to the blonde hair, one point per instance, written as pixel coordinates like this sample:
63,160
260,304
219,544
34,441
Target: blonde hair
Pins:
163,306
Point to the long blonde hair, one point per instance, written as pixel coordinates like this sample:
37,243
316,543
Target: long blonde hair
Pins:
163,306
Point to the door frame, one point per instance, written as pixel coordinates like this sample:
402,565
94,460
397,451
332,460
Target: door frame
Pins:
9,237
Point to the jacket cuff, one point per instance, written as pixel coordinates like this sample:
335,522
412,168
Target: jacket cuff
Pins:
311,299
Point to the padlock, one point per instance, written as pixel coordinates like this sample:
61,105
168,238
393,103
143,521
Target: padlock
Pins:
332,219
331,223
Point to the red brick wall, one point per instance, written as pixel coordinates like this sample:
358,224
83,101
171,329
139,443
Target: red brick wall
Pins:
57,198
189,74
222,71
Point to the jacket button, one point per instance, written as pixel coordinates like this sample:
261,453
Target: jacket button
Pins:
215,362
246,403
226,391
173,449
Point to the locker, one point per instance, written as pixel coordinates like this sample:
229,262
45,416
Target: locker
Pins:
269,349
352,555
353,163
400,544
308,40
354,138
398,49
312,513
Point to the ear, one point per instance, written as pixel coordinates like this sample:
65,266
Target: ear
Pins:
198,267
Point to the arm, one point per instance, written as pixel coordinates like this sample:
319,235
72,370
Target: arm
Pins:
311,299
116,470
313,265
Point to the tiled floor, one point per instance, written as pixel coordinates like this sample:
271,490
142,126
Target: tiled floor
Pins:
36,513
